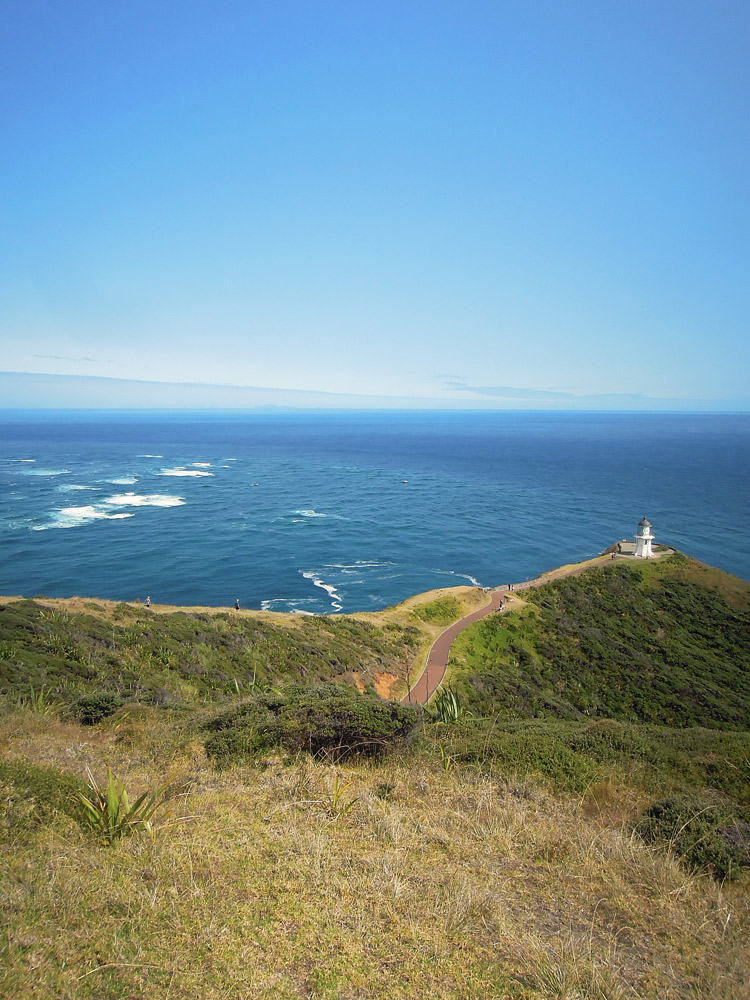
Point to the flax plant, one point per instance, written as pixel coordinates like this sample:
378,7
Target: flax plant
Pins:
110,814
447,706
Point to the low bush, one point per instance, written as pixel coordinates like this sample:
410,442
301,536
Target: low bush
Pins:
92,708
699,832
328,717
609,742
518,750
32,794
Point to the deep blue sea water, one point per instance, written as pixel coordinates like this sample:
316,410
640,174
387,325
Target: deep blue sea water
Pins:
326,512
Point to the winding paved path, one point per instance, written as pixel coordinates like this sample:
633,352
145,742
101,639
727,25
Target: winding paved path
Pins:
437,659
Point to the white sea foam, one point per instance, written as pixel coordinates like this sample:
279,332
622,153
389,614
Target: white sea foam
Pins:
150,456
73,517
123,481
180,472
461,576
46,472
289,604
26,460
201,465
139,500
16,524
68,487
359,564
309,513
328,587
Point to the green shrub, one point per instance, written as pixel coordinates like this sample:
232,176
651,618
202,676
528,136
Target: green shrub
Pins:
608,742
525,749
92,708
32,794
695,831
327,717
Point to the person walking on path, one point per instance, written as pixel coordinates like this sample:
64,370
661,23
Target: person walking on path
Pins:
147,602
237,604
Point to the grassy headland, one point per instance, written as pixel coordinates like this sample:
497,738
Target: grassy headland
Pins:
579,830
664,642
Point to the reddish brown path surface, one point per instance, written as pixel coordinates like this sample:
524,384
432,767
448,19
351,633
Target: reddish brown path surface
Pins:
437,659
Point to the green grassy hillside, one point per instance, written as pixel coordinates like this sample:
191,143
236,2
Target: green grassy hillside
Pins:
163,658
663,643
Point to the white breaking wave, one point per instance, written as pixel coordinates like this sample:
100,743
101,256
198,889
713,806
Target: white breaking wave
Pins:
123,481
461,576
45,472
291,605
309,513
26,460
180,472
69,487
201,465
150,456
328,587
73,517
138,500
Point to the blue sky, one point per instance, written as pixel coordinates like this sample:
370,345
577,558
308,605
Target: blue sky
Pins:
473,203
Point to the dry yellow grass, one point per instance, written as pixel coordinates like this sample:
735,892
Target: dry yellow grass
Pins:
430,885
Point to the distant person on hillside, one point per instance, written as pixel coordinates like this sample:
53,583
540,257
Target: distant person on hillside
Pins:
237,604
147,602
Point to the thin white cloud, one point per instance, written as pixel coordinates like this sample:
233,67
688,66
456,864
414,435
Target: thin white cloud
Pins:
509,392
67,357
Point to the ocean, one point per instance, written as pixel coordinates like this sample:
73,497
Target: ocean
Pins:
326,512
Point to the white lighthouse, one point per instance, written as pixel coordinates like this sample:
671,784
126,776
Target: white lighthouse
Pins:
643,539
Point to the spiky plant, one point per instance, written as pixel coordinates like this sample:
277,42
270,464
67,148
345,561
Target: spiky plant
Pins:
446,706
110,814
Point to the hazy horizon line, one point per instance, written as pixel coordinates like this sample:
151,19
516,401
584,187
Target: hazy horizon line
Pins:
23,390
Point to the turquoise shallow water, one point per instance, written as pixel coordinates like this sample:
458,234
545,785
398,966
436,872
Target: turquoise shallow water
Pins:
328,512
